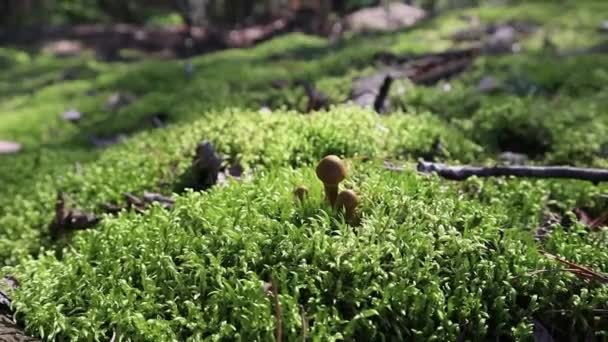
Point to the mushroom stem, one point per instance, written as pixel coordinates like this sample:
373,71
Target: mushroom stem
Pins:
331,193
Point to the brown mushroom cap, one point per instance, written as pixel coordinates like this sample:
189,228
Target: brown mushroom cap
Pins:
347,199
331,170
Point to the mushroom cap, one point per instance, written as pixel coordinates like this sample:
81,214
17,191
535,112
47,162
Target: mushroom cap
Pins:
347,199
331,170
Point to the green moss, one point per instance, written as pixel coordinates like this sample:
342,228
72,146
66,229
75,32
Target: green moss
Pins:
424,264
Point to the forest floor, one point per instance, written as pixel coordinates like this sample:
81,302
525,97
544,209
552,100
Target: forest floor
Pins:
152,199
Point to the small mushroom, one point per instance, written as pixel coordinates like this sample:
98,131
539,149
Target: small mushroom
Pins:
331,171
348,200
301,192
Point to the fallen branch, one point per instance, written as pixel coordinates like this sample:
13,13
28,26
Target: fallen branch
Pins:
466,171
380,104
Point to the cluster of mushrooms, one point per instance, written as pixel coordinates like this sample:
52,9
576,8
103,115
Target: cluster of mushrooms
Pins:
331,171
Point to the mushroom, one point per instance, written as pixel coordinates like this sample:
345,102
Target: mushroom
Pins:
301,192
331,171
348,200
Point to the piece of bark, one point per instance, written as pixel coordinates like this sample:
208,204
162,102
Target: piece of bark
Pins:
462,172
381,104
424,69
164,201
67,219
317,100
158,119
206,165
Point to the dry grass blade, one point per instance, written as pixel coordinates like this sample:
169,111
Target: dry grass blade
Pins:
578,270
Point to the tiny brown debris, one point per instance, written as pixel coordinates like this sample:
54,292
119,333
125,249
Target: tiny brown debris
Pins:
118,100
271,289
9,147
139,204
164,201
548,221
67,219
594,224
300,193
103,142
206,165
317,100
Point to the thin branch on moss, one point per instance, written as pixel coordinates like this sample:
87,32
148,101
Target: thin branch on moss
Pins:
304,323
462,172
580,271
277,310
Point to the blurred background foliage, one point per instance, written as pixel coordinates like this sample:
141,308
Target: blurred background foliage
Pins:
19,13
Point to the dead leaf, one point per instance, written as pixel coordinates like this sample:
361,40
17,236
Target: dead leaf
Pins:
9,147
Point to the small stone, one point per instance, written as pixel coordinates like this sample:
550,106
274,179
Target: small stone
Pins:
72,115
